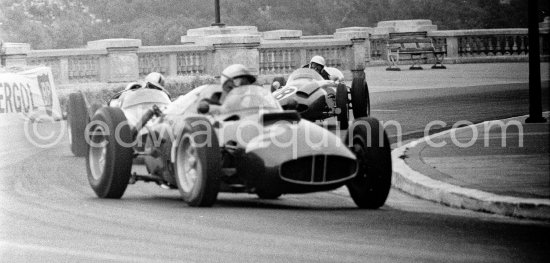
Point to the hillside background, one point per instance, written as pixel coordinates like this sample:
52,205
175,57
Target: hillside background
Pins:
72,23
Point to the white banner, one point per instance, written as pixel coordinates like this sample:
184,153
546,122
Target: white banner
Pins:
30,94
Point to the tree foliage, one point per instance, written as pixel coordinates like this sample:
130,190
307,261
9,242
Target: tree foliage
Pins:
71,23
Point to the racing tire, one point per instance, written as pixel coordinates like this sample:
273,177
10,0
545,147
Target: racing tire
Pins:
95,107
342,104
110,155
77,117
281,81
371,186
198,163
360,99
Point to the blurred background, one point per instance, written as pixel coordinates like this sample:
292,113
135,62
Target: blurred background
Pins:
49,24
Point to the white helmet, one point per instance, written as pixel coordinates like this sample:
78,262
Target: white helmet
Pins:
155,79
232,72
318,59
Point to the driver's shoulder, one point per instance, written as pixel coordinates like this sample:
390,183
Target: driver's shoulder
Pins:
325,74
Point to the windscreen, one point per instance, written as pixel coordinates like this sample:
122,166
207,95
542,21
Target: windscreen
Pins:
144,95
304,73
249,97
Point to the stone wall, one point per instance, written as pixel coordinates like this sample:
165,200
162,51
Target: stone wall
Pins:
206,51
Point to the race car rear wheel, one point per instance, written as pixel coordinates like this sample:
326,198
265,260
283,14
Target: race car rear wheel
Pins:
281,80
360,100
198,163
94,108
77,117
370,188
342,104
110,156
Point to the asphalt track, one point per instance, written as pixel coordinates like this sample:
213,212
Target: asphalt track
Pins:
414,110
48,212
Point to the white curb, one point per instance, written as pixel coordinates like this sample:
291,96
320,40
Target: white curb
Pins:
425,187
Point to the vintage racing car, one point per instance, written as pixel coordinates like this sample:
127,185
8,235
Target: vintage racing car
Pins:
135,99
316,98
247,144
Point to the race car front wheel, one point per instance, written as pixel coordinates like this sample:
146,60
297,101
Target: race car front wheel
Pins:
342,114
77,118
360,99
198,163
371,186
110,156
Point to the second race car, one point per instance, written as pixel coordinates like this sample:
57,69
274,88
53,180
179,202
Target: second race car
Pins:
317,99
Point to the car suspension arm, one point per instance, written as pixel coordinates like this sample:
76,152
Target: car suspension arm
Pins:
154,111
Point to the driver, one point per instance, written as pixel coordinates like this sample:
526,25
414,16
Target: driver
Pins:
153,80
232,77
317,63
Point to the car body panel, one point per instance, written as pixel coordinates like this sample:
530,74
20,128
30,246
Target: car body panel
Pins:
309,94
135,102
255,150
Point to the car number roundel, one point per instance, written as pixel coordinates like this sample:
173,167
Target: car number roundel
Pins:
284,93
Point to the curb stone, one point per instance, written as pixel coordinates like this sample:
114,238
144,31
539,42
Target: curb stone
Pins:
420,185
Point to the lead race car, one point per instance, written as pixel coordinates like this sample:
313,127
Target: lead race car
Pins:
247,144
317,99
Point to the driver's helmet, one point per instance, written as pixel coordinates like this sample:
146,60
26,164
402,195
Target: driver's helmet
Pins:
235,76
317,60
155,80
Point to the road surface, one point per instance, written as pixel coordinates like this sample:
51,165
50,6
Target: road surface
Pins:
48,212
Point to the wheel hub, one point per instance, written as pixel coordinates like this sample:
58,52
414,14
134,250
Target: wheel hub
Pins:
188,168
98,154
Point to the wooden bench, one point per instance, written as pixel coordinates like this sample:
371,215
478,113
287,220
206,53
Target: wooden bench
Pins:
416,45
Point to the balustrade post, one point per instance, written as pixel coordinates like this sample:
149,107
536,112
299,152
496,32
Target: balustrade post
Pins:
15,54
303,57
121,63
209,65
103,69
63,70
452,47
236,53
359,53
172,65
359,37
232,45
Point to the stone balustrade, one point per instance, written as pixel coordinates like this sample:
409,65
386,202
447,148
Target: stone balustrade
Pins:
207,51
477,45
282,57
70,65
174,60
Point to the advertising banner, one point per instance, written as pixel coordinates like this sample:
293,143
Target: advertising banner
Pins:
29,113
29,94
